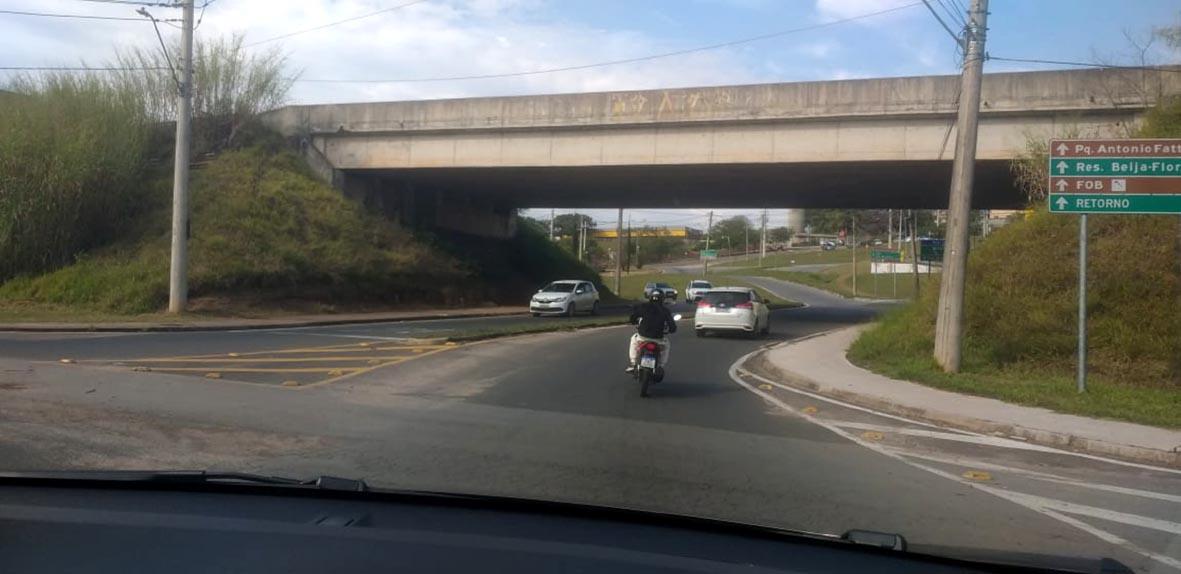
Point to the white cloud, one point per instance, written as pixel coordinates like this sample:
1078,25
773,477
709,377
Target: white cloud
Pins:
438,38
840,9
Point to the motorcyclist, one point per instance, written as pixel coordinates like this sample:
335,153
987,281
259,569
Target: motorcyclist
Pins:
651,318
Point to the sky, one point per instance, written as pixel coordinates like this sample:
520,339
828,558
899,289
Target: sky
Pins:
427,39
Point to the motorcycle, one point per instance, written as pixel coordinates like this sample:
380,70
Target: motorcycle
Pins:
647,369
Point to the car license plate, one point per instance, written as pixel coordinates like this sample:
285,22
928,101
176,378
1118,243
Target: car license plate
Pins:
648,362
721,310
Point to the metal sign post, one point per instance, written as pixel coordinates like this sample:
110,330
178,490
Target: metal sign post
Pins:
1082,303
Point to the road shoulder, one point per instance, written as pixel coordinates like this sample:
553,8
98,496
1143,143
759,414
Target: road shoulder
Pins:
818,364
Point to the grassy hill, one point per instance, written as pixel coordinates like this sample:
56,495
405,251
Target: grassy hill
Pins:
267,236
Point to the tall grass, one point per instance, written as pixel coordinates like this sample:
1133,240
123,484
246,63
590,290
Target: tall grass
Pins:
72,157
75,149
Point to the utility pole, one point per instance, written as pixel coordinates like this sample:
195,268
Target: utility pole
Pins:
854,256
551,224
914,250
949,324
763,248
890,229
628,266
581,236
746,244
178,279
619,252
708,229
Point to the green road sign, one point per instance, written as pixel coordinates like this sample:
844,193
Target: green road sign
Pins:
885,256
709,253
1109,203
1117,166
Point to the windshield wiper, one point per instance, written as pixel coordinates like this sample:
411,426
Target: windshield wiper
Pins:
195,477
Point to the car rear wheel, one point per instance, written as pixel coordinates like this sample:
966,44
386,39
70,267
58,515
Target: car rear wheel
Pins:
767,327
595,308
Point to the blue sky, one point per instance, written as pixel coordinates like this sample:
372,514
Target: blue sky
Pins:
474,37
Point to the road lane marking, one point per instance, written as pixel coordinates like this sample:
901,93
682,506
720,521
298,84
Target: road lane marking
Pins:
945,430
1096,512
364,370
224,360
1064,480
249,370
998,492
976,475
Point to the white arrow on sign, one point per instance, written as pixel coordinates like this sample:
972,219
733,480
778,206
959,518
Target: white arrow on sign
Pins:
1061,203
1062,149
1061,167
1062,185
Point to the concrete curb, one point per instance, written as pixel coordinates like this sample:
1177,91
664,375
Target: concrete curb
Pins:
1065,441
244,326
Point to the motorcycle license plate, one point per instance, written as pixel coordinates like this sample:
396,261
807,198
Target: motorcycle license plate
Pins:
648,362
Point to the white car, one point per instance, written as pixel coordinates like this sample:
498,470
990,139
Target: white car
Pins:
565,297
734,309
695,289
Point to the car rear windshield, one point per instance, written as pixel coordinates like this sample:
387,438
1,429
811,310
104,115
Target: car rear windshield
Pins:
664,285
700,285
728,298
558,288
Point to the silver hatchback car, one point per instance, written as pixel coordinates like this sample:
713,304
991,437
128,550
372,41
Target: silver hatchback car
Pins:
734,309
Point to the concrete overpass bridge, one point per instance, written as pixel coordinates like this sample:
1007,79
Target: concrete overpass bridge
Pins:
467,164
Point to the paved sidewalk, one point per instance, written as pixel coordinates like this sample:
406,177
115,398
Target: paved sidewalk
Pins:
229,323
818,364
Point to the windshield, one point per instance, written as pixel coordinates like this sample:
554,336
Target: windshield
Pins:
724,298
559,287
960,228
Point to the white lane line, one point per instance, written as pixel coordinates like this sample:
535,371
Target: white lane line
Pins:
791,389
1095,512
982,465
978,439
845,405
1104,535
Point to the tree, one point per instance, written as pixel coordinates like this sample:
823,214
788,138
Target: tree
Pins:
569,225
730,231
780,234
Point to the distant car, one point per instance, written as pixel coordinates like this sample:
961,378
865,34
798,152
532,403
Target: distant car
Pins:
827,245
695,289
670,293
565,297
734,309
877,242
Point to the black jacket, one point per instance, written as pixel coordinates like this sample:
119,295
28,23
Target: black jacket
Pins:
652,319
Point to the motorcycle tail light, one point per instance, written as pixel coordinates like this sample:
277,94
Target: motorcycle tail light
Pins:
651,347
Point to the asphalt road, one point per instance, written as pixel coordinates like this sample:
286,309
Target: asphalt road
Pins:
553,416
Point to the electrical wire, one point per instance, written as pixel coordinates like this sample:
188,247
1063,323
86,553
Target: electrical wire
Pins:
137,3
331,24
728,44
75,16
1173,69
953,15
954,36
81,69
163,48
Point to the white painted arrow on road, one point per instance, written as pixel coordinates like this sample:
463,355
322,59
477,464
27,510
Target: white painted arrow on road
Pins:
1062,185
1061,203
1061,167
1062,149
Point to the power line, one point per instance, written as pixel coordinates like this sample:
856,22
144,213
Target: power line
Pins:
954,36
1173,69
136,3
81,68
331,24
624,61
956,17
76,16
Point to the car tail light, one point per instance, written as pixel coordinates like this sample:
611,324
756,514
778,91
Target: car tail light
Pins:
703,304
745,305
651,347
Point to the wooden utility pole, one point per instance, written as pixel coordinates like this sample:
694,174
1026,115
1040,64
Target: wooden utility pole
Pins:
949,323
619,252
